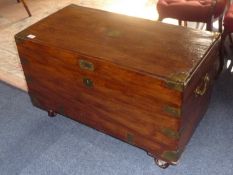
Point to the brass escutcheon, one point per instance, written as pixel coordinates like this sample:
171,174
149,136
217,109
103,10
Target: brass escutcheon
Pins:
88,82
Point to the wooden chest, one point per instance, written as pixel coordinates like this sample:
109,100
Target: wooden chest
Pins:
141,81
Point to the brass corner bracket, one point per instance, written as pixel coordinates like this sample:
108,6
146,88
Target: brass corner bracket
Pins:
172,156
170,133
177,81
173,111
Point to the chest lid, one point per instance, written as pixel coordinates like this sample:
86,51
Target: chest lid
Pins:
152,48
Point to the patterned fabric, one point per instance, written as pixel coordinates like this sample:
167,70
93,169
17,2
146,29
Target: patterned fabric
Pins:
191,10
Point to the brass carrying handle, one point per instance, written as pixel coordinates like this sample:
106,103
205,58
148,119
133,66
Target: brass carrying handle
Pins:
201,90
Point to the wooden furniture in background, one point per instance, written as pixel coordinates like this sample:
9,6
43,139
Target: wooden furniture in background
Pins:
25,6
228,30
228,24
206,11
144,82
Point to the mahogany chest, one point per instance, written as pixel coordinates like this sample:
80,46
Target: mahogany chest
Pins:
141,81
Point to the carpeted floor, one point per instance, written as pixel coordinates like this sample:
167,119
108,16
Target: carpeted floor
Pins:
33,143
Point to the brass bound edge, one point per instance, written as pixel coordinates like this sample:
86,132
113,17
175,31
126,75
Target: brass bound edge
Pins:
173,111
177,81
175,85
61,110
28,78
130,138
113,33
20,38
35,101
172,156
170,133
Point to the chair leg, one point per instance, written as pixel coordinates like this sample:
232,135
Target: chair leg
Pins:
209,26
197,25
209,23
26,7
220,24
222,51
180,22
160,18
230,38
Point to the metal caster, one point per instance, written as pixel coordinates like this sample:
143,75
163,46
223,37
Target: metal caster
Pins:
162,164
51,113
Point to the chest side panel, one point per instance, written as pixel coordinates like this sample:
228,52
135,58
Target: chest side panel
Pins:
198,92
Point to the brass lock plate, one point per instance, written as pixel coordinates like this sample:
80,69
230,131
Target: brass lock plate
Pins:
88,82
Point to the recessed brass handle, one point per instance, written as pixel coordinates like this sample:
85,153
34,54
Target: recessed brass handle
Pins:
86,65
201,90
